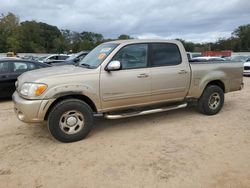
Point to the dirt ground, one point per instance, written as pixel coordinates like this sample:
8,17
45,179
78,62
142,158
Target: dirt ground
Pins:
181,148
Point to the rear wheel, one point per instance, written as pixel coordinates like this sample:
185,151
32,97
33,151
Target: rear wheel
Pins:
211,101
70,120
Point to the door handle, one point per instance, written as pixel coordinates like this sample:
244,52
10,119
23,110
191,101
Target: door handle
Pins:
182,72
143,75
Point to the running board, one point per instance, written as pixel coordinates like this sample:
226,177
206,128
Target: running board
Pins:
145,112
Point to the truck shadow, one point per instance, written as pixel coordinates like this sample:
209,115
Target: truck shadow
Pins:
102,125
5,99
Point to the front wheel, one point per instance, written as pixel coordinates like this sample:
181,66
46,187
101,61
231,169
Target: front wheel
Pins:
70,120
211,101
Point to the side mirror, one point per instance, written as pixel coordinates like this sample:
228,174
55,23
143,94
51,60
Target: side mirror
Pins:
113,66
76,60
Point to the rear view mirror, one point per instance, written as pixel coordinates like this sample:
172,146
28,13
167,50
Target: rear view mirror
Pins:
113,66
76,60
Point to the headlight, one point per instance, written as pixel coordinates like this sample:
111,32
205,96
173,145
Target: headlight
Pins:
32,89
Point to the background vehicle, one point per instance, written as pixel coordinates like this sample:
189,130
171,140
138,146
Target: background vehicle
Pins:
206,59
192,55
10,54
241,58
41,59
246,71
10,69
56,58
122,79
74,58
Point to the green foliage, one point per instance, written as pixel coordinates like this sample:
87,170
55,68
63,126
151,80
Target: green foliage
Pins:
32,36
39,37
9,27
124,37
242,35
189,46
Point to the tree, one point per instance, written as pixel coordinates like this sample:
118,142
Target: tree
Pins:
90,40
76,41
124,37
9,30
39,37
242,33
189,46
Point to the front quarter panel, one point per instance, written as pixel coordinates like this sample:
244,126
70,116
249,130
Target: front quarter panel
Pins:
90,91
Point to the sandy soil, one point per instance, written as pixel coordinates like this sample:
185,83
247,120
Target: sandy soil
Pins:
181,148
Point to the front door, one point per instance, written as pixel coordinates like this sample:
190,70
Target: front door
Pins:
5,82
130,86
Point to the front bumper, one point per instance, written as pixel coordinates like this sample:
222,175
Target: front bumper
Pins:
29,111
246,72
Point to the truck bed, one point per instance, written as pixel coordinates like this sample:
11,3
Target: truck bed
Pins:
228,72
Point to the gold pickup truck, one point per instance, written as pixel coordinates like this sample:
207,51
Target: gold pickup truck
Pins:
122,79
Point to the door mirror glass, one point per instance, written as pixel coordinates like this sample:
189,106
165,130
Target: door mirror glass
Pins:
113,66
76,60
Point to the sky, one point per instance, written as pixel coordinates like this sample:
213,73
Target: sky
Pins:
191,20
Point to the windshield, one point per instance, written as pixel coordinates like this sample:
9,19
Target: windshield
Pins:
42,58
73,56
239,58
97,55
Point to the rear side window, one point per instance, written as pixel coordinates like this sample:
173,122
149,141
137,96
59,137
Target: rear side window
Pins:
165,54
4,67
62,57
53,57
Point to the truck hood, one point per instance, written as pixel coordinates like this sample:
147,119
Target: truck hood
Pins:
57,71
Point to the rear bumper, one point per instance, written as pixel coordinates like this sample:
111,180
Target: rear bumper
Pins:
29,111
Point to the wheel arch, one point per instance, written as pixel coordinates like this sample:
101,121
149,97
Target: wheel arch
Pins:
218,83
83,98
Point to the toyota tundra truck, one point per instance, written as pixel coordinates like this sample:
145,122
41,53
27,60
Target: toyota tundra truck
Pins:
122,79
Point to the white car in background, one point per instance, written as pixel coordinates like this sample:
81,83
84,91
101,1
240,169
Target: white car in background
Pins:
246,71
242,58
55,58
206,59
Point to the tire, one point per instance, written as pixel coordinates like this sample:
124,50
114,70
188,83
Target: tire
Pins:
211,101
70,120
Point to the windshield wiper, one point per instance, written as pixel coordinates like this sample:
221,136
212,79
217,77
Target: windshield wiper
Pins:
84,65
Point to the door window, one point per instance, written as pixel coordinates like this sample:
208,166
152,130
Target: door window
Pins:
132,56
23,66
165,54
4,67
53,57
62,57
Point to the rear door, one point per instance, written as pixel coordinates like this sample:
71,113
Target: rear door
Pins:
130,86
5,82
170,74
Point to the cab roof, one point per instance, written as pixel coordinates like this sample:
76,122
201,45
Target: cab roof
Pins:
131,41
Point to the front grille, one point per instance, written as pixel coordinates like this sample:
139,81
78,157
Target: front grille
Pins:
246,68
